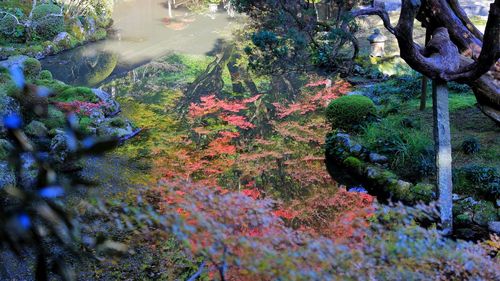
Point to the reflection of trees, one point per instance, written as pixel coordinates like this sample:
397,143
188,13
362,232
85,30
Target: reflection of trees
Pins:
86,68
102,67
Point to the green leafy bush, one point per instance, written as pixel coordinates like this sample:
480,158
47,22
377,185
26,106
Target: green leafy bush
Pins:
48,20
485,179
349,112
471,145
77,94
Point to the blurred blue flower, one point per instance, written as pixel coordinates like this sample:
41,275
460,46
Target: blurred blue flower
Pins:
12,121
24,221
88,142
16,73
52,192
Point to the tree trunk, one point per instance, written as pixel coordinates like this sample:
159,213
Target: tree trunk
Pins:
442,142
469,40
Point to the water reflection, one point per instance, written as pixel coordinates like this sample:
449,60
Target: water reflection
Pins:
143,31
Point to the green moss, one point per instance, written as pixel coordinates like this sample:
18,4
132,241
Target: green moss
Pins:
77,94
422,192
354,164
32,67
57,86
85,124
36,129
349,112
5,148
463,219
45,75
48,26
99,34
484,212
55,119
117,122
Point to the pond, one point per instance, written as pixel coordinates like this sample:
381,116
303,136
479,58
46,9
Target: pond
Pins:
143,31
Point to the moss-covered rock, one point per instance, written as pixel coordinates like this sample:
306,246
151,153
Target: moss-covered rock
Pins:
36,129
484,212
422,192
49,20
355,164
32,67
55,119
77,94
349,112
45,75
5,148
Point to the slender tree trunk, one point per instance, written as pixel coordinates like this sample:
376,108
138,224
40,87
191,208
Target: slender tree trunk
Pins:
442,148
423,96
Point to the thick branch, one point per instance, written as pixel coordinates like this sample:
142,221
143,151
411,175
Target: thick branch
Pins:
376,11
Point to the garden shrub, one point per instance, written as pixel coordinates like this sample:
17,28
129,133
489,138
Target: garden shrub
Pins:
45,75
349,112
485,179
32,67
48,23
77,94
471,145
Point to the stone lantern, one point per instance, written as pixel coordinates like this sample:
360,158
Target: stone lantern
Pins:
377,43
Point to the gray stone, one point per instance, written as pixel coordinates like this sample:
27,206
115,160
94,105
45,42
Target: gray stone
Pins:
36,129
356,149
106,129
7,175
111,106
8,105
14,61
5,149
62,38
494,226
90,25
372,173
29,171
59,147
377,158
344,139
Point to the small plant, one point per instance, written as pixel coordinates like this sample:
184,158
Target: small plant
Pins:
349,112
471,145
45,75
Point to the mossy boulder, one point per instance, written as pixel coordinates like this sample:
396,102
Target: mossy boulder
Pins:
354,163
5,148
484,212
36,129
48,20
32,67
7,175
349,112
55,119
45,75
